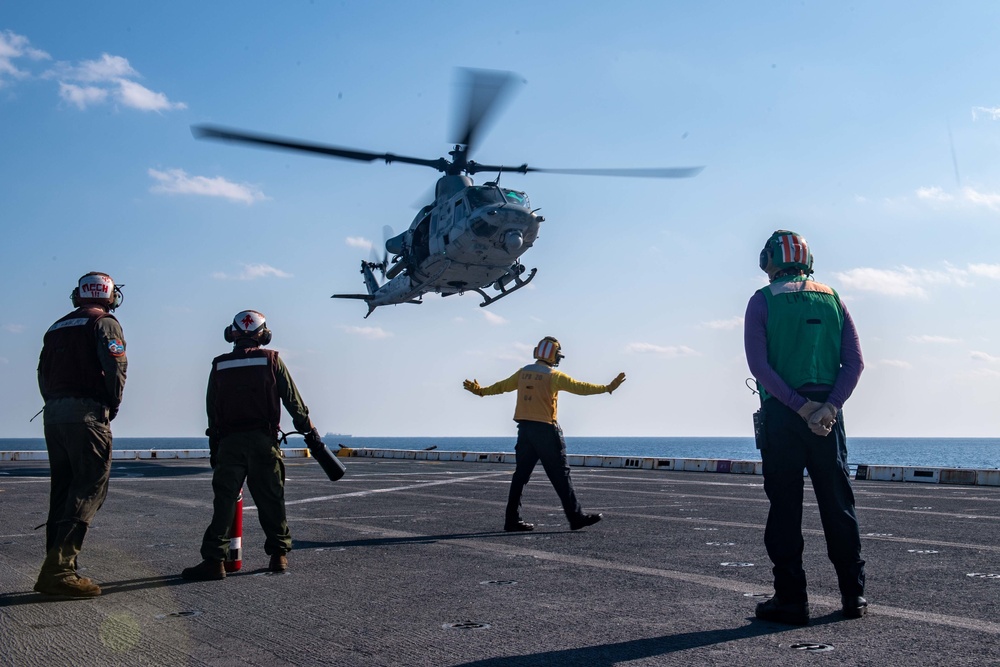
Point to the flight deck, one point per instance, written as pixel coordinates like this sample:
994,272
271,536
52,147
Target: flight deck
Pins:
404,562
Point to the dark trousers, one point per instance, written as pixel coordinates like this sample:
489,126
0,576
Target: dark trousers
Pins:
80,466
538,441
791,448
252,457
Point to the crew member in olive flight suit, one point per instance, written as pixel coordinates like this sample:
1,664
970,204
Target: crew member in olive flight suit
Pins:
539,437
246,389
81,374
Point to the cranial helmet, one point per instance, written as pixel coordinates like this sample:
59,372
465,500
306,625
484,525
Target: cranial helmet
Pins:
248,324
97,288
786,250
549,351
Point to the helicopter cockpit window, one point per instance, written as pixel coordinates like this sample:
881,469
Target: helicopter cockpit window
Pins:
515,197
484,196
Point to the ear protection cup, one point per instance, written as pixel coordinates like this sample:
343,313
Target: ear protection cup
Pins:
264,337
74,297
764,256
228,334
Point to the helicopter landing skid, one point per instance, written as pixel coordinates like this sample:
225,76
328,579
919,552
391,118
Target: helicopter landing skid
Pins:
504,290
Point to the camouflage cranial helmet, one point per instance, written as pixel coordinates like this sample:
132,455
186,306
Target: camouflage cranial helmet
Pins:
248,324
548,350
786,250
97,288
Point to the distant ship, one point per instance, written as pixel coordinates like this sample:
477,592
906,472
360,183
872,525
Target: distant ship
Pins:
333,436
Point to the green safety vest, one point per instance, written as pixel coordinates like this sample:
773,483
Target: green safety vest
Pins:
804,325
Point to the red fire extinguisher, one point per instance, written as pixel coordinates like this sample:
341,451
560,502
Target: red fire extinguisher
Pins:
234,561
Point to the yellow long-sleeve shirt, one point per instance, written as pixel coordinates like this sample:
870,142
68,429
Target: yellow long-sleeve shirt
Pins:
537,388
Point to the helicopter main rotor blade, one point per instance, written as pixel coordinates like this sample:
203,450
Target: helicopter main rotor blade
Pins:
239,136
486,89
653,172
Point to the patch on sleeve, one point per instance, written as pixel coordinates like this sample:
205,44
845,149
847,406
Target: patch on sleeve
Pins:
116,347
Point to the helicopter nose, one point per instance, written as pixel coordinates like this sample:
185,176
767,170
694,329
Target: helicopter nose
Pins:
513,240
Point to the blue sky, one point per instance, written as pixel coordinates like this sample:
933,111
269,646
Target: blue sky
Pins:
873,130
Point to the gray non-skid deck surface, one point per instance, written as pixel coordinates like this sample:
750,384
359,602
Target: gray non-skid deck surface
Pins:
404,563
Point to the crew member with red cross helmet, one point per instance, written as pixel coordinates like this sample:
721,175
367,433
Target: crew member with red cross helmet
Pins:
81,374
539,436
246,389
803,350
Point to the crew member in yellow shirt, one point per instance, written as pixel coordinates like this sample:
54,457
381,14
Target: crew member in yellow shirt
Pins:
539,436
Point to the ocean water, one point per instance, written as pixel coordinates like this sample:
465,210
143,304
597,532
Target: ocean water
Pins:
981,453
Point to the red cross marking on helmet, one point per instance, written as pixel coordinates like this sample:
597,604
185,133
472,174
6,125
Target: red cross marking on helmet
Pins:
247,321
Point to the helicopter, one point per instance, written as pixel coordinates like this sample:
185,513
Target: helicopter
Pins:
470,237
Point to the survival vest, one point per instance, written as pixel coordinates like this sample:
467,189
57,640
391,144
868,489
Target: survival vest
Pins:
246,391
69,365
804,325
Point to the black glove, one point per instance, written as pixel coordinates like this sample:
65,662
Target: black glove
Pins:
112,413
312,439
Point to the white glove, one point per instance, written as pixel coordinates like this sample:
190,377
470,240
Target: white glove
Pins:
807,410
822,420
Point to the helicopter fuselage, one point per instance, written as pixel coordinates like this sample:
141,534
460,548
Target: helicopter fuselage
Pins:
471,238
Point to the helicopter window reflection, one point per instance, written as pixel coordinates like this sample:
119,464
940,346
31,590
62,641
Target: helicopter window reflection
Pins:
483,196
515,197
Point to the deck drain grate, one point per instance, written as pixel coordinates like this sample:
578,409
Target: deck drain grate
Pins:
758,595
983,575
735,564
922,551
721,544
878,534
179,614
465,625
703,528
498,582
811,647
268,573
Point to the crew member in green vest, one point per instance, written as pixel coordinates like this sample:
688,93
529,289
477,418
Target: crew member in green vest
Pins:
803,350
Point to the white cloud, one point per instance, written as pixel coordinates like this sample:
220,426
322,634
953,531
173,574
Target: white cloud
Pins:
966,196
372,333
935,340
992,112
12,47
902,282
82,97
985,270
134,95
109,77
13,328
178,182
990,200
493,318
359,242
934,194
985,356
726,325
895,363
106,70
253,272
663,350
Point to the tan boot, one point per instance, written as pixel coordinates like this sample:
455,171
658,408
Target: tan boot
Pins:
279,563
206,570
69,586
